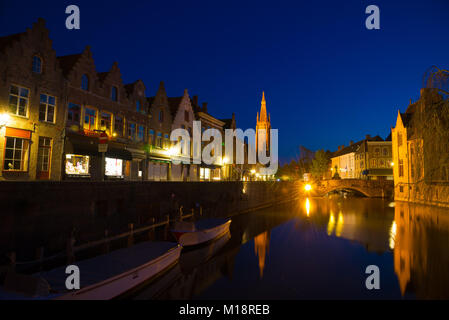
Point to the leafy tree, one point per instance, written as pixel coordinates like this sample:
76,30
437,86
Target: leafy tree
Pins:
320,164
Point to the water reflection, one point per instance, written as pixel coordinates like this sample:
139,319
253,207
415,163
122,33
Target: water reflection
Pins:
421,250
261,246
319,248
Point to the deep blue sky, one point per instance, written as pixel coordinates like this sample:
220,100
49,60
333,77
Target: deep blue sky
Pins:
327,78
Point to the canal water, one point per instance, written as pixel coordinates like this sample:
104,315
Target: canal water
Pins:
318,248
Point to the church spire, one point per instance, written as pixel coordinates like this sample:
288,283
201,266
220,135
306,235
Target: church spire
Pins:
263,109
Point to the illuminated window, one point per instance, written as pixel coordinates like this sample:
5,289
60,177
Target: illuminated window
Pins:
18,100
76,165
118,126
90,116
159,140
105,122
401,167
16,154
37,64
113,167
151,137
47,108
166,141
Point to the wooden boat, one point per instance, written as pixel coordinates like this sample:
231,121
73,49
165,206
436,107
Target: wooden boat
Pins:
194,233
110,275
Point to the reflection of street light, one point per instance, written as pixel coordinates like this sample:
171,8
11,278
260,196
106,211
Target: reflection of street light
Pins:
4,118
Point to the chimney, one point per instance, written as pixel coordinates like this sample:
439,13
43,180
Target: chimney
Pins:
351,143
195,100
205,107
368,137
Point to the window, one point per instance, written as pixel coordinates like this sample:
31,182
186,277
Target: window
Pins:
377,151
161,116
186,115
151,137
113,167
159,140
399,139
85,82
166,141
401,189
43,158
401,167
118,126
138,106
90,116
18,100
47,108
105,122
132,130
385,151
76,165
114,93
37,64
373,163
74,113
141,133
16,154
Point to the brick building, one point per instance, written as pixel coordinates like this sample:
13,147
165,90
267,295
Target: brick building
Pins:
32,107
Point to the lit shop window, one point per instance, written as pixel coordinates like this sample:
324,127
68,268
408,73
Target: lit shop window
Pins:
114,167
205,173
105,122
76,164
90,117
16,154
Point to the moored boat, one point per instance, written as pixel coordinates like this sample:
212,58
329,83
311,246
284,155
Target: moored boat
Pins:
109,275
194,233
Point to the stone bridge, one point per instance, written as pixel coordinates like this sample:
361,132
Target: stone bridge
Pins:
369,188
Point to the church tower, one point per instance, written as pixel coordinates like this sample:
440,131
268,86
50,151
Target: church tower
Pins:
263,123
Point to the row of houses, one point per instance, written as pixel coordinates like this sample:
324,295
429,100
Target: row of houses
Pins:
370,158
54,108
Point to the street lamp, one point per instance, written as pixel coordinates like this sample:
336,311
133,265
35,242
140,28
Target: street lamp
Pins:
308,187
4,119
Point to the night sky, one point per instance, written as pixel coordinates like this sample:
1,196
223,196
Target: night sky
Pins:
327,79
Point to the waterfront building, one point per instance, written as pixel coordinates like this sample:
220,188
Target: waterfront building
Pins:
373,159
219,169
183,116
159,144
99,103
343,161
421,151
32,107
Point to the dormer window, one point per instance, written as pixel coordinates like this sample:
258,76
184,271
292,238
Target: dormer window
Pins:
114,93
37,64
85,82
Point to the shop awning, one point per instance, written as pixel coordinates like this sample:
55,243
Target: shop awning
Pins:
88,146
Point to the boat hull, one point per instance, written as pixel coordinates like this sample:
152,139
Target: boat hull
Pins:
192,238
120,284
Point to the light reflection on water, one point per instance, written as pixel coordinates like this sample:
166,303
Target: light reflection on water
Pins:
319,248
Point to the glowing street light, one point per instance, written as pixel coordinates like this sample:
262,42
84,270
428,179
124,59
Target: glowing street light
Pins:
4,119
308,187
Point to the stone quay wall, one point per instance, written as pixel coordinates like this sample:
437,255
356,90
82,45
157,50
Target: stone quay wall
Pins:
46,214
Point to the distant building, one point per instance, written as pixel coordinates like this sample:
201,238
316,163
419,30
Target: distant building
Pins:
366,159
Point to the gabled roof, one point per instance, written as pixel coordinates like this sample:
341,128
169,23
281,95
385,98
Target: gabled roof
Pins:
355,146
406,118
174,105
8,40
68,62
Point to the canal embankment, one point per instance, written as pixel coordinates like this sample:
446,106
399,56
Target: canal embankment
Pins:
40,219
